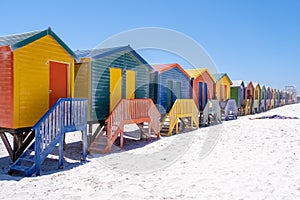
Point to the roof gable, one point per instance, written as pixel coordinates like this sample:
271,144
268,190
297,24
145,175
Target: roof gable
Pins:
161,68
238,83
102,52
219,76
195,73
19,40
255,85
249,83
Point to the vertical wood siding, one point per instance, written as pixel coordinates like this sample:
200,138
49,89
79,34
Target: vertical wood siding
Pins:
6,87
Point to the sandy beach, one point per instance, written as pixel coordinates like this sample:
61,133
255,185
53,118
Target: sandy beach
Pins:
239,159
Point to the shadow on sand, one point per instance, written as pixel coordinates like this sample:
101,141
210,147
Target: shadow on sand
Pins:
72,159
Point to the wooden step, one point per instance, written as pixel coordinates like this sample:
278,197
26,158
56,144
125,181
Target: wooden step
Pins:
19,168
98,150
28,159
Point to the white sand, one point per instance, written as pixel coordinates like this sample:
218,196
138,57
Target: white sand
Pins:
240,159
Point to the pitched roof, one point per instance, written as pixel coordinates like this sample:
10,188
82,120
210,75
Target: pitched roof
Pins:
96,53
161,68
195,73
256,84
19,40
13,39
102,52
247,83
237,83
219,76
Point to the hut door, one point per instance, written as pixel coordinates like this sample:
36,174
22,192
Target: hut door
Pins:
130,84
115,87
169,95
58,82
177,91
200,97
205,94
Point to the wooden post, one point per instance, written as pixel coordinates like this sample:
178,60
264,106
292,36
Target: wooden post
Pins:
37,152
84,132
84,145
176,125
7,145
149,128
121,139
61,150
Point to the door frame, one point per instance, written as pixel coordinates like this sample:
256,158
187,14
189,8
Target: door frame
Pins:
68,77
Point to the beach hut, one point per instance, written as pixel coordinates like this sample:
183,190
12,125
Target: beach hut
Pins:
237,91
291,90
173,82
263,99
36,69
174,97
248,96
282,98
203,85
116,82
249,90
105,76
257,98
223,84
278,96
273,98
269,97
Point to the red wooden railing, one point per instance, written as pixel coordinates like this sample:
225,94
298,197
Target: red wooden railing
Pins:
131,111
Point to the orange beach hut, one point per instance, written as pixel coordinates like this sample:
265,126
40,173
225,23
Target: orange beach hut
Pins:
203,84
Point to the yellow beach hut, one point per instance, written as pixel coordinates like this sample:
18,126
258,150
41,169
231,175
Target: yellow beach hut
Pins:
257,98
36,69
223,83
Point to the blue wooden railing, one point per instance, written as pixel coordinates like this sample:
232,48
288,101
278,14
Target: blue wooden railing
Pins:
66,115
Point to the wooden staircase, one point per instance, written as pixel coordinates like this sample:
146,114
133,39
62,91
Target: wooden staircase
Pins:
184,111
128,111
211,113
262,107
245,108
66,115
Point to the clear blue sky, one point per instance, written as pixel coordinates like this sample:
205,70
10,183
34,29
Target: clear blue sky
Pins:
256,40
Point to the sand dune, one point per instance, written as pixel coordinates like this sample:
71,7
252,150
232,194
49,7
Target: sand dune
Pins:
240,159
